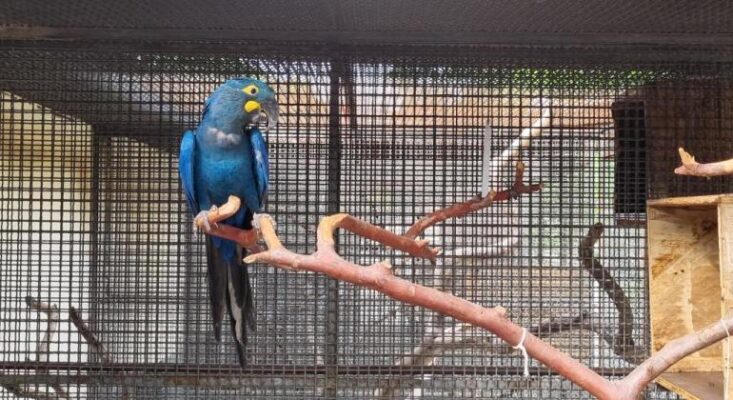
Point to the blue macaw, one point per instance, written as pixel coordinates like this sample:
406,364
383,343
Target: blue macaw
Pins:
227,155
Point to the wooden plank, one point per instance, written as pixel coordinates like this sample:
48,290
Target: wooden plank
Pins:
692,201
694,385
725,243
684,280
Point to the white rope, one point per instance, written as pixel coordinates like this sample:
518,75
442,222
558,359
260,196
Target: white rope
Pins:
521,347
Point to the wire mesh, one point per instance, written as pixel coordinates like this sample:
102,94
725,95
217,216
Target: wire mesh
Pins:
377,22
92,217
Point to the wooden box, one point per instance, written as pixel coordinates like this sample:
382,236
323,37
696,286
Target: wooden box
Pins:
690,252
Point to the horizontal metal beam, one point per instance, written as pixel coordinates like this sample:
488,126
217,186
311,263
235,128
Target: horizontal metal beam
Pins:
369,37
233,376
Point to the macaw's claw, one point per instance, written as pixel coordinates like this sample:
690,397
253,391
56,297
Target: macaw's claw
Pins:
201,221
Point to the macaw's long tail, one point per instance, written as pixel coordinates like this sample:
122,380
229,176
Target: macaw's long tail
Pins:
229,284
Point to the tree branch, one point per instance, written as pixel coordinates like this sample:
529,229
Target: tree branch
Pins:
93,342
521,141
245,238
460,335
623,343
43,347
379,277
690,167
672,352
455,336
475,204
52,313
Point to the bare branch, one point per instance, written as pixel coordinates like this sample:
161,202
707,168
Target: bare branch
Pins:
623,343
245,238
475,204
43,348
52,313
94,344
432,346
458,336
416,248
672,352
690,167
559,325
522,140
380,278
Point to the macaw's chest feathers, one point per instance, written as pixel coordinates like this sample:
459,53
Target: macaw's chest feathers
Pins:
218,138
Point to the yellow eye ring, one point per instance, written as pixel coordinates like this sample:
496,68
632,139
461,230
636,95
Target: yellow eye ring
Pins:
250,90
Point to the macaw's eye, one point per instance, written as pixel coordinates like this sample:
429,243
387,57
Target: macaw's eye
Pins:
250,90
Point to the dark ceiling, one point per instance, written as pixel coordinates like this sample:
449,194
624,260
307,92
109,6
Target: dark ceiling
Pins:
376,22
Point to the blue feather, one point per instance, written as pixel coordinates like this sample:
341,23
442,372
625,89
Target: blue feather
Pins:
185,168
261,164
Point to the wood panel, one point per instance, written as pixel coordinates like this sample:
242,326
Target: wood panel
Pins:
725,238
684,280
694,385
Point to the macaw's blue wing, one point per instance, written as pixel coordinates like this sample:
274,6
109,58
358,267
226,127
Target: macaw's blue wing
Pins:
261,167
217,269
185,169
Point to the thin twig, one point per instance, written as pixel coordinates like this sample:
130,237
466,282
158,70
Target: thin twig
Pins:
94,344
52,313
475,204
690,167
44,345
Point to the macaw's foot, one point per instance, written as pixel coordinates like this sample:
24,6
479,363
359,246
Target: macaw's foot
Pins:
202,221
256,218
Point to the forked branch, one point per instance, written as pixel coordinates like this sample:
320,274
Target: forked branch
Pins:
43,348
690,167
379,277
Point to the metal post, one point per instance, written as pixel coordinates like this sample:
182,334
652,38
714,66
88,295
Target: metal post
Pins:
334,194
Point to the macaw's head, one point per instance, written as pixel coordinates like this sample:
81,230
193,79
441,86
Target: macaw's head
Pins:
245,101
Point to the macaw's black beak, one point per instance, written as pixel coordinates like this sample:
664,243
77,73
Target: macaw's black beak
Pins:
268,115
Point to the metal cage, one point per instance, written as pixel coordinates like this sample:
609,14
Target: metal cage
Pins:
92,216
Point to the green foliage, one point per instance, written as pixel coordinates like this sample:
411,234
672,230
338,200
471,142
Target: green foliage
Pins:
227,65
527,77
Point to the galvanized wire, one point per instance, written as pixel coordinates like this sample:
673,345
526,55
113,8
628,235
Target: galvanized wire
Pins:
92,215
